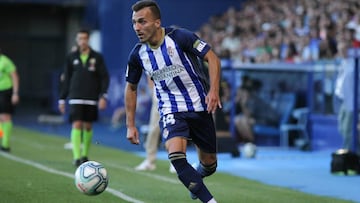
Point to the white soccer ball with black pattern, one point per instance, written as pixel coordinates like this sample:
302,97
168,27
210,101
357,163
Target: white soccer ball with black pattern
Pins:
91,178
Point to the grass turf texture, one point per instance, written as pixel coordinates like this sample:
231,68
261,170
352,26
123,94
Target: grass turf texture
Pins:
21,182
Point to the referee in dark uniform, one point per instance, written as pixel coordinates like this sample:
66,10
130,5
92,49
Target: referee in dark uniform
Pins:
86,81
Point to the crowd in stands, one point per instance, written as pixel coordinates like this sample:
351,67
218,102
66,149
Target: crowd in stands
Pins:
283,31
291,31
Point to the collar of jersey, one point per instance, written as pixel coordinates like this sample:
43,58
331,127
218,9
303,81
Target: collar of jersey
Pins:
161,41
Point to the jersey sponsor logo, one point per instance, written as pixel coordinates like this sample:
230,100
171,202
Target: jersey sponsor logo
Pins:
167,72
199,45
170,51
165,133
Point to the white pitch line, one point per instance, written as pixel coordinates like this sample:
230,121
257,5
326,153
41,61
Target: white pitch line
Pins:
69,175
150,175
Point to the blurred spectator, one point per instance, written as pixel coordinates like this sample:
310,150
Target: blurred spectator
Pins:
344,93
305,54
231,41
222,116
354,40
225,94
292,55
254,110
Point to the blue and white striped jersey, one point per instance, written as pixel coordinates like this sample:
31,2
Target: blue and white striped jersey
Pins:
176,68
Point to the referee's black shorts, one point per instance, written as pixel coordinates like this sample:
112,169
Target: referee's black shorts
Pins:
83,112
6,107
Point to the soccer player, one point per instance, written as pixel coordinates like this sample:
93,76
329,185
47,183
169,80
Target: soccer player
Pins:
86,81
172,58
9,97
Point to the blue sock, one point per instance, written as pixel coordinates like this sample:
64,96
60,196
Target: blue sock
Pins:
189,176
206,170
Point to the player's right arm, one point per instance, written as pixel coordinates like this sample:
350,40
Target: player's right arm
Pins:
133,75
130,109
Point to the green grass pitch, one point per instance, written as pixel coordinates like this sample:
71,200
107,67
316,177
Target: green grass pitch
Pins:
39,170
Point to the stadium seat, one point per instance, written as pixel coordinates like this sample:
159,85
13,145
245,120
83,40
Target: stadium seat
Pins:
284,103
301,115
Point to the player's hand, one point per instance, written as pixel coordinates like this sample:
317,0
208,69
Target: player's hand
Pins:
62,108
15,99
102,103
213,102
133,135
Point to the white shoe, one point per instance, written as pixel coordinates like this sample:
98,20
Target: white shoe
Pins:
68,146
172,169
145,166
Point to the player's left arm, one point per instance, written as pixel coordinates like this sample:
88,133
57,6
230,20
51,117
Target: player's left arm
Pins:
213,99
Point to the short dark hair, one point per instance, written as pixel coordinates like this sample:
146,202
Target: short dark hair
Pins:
84,30
154,7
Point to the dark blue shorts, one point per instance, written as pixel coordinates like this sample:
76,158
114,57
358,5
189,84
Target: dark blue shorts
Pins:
196,126
82,112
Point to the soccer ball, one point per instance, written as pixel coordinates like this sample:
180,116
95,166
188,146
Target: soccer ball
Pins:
249,150
91,178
